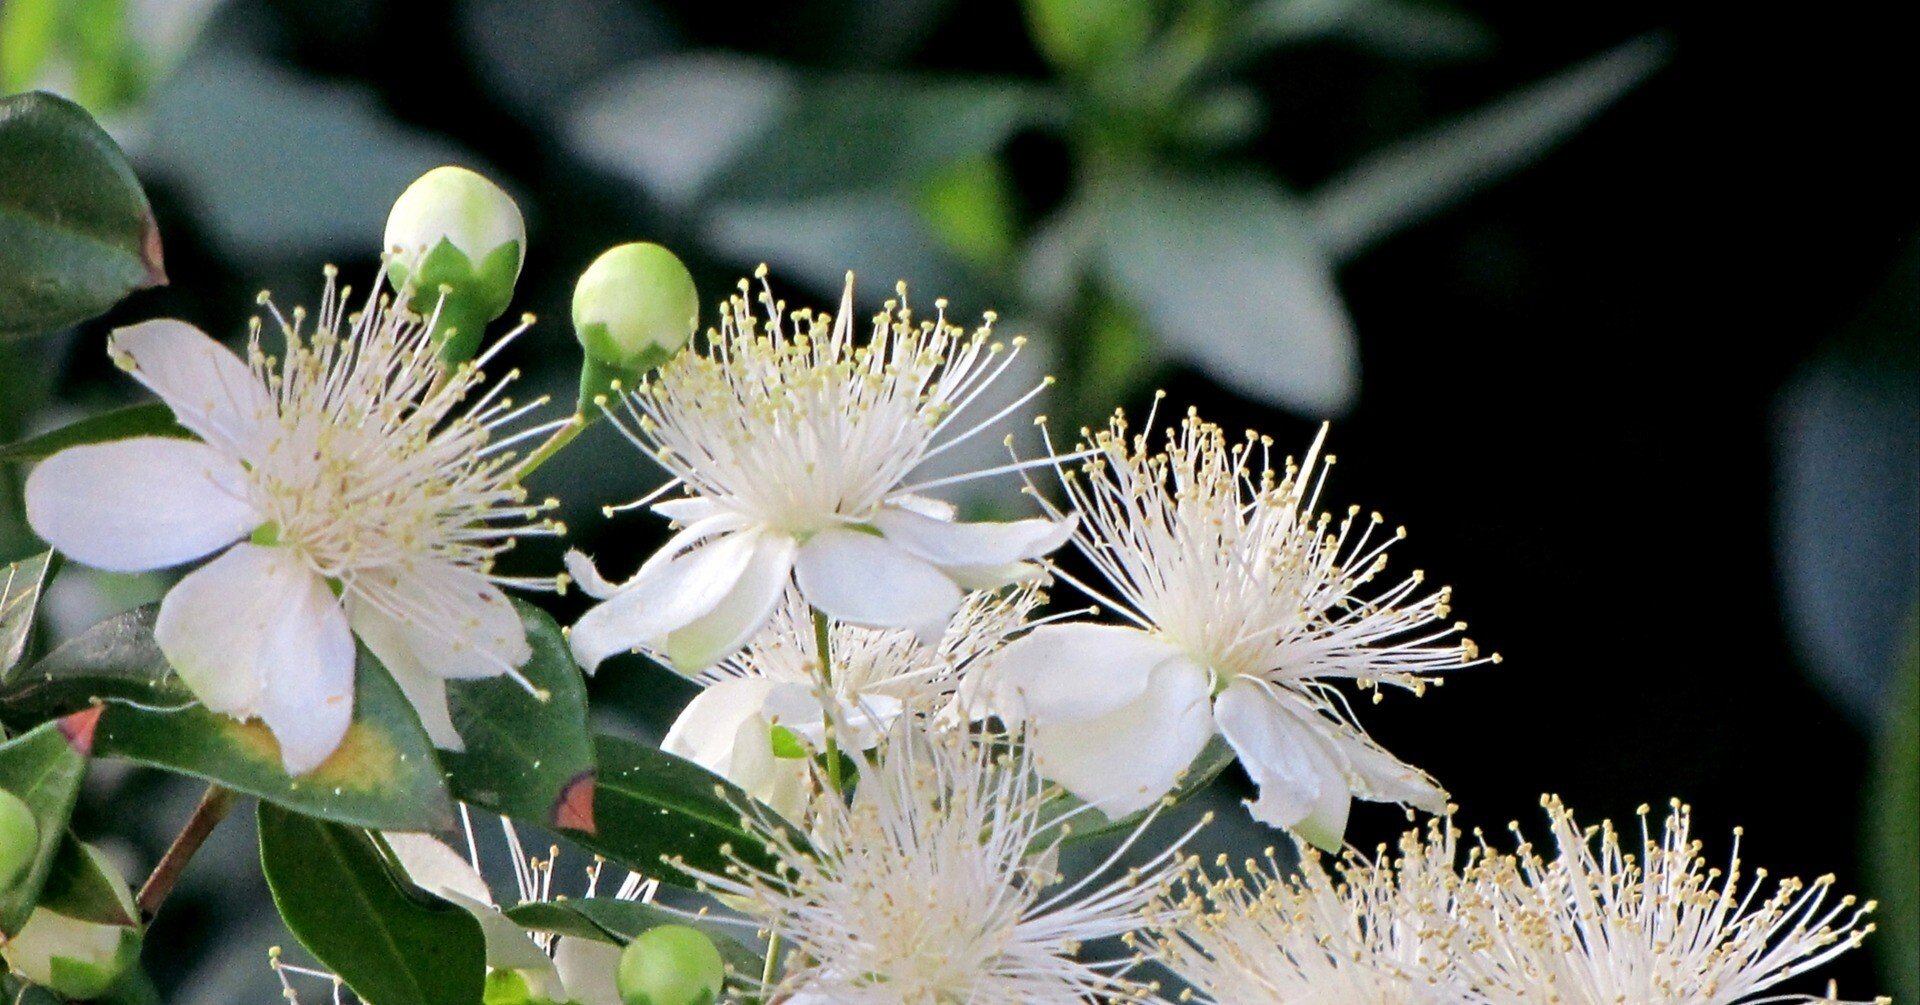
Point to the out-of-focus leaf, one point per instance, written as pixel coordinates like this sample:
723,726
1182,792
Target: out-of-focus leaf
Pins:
1393,188
522,752
1893,827
674,124
650,806
815,242
76,234
44,768
384,775
151,419
1229,274
20,584
1078,35
606,919
537,55
27,32
242,138
1397,29
391,945
970,208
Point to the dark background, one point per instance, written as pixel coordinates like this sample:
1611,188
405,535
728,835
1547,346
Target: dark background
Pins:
1648,404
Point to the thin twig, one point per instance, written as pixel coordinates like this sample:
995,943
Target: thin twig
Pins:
213,808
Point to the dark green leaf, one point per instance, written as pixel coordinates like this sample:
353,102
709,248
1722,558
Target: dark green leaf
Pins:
152,419
80,886
1893,826
384,775
522,752
20,585
1083,823
76,234
606,919
44,767
649,806
391,944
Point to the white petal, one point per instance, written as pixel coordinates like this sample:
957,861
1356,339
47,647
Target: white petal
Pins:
211,391
1301,778
1072,672
459,625
866,580
139,504
727,729
660,600
708,728
1126,759
971,544
993,577
687,510
740,614
435,867
927,506
391,644
587,575
1380,777
588,971
254,632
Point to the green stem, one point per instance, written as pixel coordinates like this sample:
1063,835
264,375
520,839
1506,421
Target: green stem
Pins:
822,642
767,970
560,438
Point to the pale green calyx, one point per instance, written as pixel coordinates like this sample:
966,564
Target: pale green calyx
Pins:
671,965
635,307
455,243
19,839
76,957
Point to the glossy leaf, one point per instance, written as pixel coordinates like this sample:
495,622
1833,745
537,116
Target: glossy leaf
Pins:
80,886
44,768
607,919
151,419
20,584
76,234
384,775
1893,826
1230,275
522,752
1407,182
650,806
391,944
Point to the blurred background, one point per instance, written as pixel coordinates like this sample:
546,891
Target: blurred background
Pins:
1614,305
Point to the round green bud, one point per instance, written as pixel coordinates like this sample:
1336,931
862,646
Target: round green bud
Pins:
633,309
455,242
510,987
671,965
19,839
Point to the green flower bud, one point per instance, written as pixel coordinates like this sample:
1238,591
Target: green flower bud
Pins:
671,965
510,987
19,839
455,241
74,957
633,309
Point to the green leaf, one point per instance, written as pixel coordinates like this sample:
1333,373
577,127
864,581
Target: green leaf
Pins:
79,885
20,585
391,944
1083,823
1410,181
1893,826
1078,35
607,919
44,768
1229,274
522,753
76,234
384,775
151,419
649,806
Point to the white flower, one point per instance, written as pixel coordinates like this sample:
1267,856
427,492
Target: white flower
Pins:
367,498
1245,605
1361,933
1601,924
877,675
794,447
935,885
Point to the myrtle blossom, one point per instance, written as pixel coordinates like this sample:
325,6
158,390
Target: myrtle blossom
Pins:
349,487
1245,606
794,442
877,675
936,883
1602,922
1380,931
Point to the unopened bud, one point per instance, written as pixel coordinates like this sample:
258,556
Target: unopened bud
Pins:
633,309
19,839
75,957
671,965
454,244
